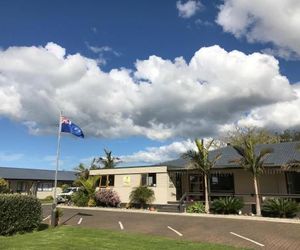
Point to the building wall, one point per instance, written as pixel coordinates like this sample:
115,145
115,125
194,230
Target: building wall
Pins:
126,179
13,185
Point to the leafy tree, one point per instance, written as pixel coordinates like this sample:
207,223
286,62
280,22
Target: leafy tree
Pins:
108,161
201,161
259,136
4,187
252,162
289,135
89,186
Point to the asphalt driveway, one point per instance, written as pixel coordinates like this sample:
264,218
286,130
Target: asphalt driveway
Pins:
239,233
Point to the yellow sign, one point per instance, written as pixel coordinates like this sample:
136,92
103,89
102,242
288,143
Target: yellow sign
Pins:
126,180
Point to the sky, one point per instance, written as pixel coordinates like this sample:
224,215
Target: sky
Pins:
142,78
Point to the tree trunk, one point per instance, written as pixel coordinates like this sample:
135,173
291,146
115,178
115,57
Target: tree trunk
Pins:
257,200
206,194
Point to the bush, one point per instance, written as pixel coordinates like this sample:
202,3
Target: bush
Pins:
4,187
19,213
80,198
227,205
48,198
142,195
279,207
196,207
107,198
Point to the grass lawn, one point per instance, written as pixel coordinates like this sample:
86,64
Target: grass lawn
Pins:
67,237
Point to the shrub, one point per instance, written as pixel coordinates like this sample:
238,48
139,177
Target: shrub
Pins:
4,187
196,207
19,213
107,198
279,207
227,205
80,198
48,198
142,195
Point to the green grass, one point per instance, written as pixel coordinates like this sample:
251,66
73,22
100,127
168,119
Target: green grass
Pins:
67,237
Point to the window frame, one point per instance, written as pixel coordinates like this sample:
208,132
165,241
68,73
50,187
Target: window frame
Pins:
145,177
107,182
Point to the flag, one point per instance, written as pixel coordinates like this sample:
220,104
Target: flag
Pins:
70,127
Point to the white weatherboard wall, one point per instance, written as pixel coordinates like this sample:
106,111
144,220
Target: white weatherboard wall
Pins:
126,179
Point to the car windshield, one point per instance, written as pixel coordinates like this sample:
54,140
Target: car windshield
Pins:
68,190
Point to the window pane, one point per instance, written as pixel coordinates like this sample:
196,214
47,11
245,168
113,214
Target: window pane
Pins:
152,179
144,179
222,183
111,179
103,181
196,183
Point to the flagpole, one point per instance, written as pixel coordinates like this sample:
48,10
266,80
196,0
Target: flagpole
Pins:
54,204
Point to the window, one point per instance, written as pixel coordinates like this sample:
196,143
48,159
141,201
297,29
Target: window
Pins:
222,183
107,181
21,186
293,182
149,179
45,186
195,183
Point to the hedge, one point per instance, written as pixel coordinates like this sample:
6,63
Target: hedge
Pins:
19,213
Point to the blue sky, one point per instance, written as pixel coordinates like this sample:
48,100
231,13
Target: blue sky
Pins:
111,67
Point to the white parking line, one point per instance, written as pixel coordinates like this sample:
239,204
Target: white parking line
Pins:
245,238
121,225
175,231
46,218
79,222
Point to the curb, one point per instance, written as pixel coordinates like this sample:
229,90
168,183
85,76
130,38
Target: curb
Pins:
214,216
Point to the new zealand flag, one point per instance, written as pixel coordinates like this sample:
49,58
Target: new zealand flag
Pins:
69,127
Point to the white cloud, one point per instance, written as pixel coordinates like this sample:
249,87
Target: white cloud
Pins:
278,116
265,21
101,50
159,154
189,8
159,99
8,157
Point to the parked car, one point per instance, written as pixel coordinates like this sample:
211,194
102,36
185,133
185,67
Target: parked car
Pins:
65,196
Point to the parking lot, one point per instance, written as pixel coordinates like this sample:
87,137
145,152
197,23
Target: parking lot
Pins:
239,233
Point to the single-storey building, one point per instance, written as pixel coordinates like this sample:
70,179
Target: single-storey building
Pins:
177,181
37,182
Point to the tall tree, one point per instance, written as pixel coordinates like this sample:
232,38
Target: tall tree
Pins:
259,136
108,161
252,162
82,171
200,161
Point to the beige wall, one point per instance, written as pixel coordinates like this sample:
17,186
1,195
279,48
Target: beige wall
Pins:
164,190
44,194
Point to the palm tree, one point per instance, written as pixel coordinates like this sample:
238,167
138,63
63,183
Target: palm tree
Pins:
252,162
201,161
108,161
83,173
89,186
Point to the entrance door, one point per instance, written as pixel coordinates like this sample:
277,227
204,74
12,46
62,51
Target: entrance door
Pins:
178,185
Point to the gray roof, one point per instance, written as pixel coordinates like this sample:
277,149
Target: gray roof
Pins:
35,174
282,153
